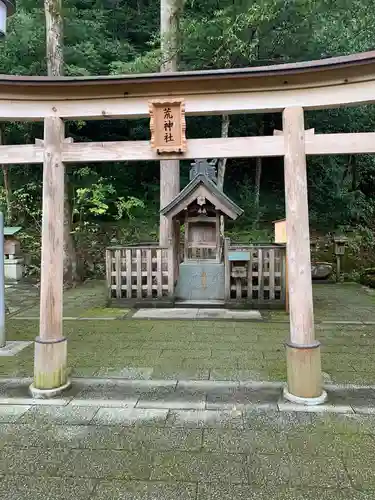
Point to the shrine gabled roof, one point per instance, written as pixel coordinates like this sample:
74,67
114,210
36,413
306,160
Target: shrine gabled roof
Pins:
11,230
201,185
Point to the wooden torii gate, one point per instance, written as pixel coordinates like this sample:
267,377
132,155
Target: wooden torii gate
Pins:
289,88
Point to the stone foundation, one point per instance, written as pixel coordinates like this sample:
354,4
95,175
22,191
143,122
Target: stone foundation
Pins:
13,269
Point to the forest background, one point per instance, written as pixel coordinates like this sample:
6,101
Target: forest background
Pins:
118,203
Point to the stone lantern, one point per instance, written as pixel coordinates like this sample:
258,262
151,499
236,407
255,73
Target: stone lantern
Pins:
340,247
7,8
340,244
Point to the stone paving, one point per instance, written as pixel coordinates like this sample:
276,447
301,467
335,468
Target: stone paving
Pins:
21,297
347,303
87,300
64,449
215,350
192,424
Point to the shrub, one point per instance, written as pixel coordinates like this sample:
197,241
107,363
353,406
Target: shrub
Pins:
368,277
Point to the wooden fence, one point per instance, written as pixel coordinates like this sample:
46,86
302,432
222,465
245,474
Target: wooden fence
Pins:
139,272
147,272
260,279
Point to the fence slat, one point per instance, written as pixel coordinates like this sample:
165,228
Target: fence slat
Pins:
170,261
128,264
272,273
139,273
260,276
108,267
238,289
227,269
149,273
250,277
159,276
118,273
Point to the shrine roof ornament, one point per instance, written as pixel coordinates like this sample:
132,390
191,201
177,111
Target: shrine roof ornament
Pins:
203,167
202,186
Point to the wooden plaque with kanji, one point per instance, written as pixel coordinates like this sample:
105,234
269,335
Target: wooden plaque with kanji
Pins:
168,126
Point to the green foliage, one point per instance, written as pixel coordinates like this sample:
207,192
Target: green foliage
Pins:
93,199
367,277
99,197
127,206
232,34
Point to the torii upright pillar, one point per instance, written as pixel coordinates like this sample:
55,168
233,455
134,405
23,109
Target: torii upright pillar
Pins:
50,365
303,350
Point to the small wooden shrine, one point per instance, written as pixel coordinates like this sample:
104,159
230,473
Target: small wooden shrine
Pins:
199,207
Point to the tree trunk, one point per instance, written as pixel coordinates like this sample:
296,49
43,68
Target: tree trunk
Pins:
70,253
7,186
222,164
54,37
354,173
169,169
258,176
55,67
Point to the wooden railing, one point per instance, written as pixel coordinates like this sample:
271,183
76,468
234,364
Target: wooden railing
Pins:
147,272
139,272
260,279
199,253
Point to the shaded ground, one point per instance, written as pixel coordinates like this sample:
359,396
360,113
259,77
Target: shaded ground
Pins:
339,302
342,302
86,300
196,350
217,350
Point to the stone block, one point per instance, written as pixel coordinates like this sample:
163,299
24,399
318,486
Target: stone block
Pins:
40,488
177,313
124,416
135,490
108,464
58,415
189,467
13,269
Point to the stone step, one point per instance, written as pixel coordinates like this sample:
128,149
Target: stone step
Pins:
144,399
200,303
197,313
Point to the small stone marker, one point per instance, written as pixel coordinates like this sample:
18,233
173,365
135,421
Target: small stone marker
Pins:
321,270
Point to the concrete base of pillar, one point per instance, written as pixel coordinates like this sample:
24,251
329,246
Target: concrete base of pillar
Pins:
304,373
48,393
50,364
305,401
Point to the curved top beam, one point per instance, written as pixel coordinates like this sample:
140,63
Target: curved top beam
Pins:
358,61
339,81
